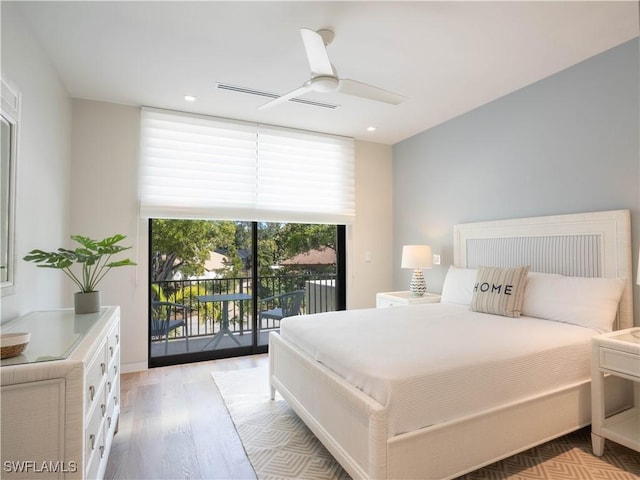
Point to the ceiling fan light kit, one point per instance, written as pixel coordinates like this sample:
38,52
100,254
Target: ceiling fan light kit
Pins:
324,78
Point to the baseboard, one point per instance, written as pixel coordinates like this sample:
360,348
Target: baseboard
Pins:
133,367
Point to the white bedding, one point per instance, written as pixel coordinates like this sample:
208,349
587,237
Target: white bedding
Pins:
437,362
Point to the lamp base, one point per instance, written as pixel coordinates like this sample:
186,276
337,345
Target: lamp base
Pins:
417,287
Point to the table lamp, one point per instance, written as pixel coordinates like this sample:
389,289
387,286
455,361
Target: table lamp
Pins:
417,257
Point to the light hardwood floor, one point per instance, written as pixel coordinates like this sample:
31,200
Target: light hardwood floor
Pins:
174,425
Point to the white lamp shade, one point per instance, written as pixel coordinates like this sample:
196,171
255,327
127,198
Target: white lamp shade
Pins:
416,256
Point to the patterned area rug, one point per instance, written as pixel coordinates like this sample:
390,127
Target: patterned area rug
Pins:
280,446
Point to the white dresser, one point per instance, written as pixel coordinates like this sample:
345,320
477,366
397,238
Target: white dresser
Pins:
60,399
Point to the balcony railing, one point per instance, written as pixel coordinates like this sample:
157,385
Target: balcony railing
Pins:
204,318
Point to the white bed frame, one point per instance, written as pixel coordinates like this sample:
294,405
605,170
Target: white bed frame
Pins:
353,426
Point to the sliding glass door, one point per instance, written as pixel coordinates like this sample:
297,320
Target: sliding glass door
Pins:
218,288
297,272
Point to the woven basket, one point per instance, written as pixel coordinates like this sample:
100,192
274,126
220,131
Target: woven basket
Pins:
13,344
13,350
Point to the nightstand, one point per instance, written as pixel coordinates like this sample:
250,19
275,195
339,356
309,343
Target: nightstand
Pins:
615,353
395,299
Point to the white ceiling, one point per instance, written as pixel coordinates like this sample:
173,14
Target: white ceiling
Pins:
445,57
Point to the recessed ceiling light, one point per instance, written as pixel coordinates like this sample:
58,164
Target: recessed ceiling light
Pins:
371,129
190,98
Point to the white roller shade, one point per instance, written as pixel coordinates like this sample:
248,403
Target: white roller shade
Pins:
305,177
195,166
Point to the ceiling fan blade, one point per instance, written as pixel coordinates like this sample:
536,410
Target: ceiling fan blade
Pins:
287,96
319,62
359,89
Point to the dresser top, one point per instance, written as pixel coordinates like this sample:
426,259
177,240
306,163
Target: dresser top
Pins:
54,333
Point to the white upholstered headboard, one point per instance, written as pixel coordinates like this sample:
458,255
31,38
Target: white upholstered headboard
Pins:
596,244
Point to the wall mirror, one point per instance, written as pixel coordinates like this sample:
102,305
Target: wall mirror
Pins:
8,158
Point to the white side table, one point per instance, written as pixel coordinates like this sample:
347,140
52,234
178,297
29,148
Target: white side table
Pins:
394,299
616,353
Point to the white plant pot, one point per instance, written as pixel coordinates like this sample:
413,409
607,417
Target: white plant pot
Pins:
86,302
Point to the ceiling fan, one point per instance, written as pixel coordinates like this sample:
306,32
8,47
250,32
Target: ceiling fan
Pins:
324,77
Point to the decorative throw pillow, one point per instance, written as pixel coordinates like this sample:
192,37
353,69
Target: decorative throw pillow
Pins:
458,285
499,290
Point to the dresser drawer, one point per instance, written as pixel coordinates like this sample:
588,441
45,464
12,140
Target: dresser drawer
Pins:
97,459
95,376
113,401
93,430
93,468
113,342
621,362
384,303
114,396
114,364
114,370
112,379
397,299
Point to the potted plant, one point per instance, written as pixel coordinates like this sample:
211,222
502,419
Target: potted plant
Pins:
94,258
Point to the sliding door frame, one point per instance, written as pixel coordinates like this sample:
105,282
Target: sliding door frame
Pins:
254,348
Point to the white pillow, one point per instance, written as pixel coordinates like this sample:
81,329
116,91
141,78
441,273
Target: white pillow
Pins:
458,285
588,302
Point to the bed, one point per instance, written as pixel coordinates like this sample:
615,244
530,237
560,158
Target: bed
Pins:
455,395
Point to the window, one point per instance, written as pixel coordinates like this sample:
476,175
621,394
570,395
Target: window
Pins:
218,288
260,179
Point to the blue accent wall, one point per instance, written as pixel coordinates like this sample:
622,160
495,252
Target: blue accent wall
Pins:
568,143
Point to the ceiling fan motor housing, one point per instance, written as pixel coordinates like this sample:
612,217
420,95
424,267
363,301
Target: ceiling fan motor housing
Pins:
324,83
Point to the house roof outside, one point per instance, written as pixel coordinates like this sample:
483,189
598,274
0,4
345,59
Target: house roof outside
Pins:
321,256
216,261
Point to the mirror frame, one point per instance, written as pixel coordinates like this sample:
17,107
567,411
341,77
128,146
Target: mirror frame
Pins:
10,111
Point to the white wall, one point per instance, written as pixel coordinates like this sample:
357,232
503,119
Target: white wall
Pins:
42,202
369,258
104,202
104,160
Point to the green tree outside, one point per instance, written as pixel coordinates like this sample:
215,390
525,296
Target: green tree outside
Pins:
185,246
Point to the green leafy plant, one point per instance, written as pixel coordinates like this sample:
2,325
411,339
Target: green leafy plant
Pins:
93,256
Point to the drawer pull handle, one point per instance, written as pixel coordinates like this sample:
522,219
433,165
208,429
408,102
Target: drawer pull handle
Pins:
109,422
117,339
115,369
111,351
103,407
115,399
109,386
92,392
92,439
103,368
101,451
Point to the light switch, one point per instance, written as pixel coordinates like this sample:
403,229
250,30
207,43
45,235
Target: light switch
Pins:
436,259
